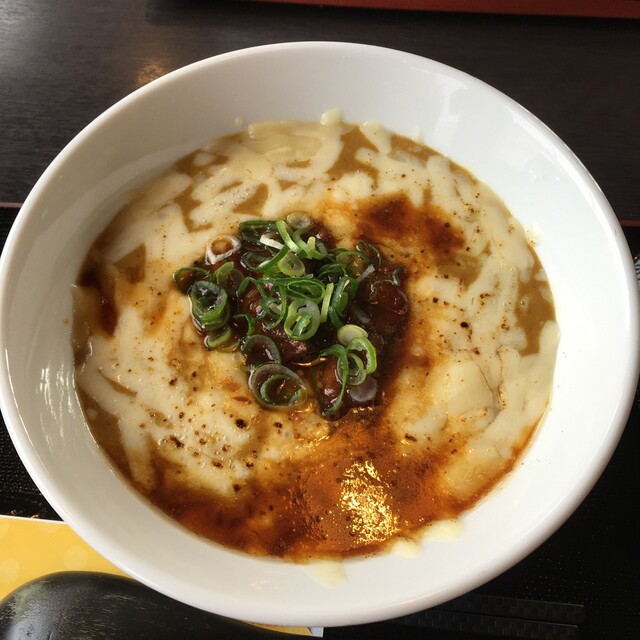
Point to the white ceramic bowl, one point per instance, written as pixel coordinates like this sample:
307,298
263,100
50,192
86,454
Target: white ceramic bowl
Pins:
579,242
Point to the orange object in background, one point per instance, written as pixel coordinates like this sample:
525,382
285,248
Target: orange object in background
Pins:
31,548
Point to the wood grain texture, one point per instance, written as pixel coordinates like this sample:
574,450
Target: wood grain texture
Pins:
63,63
594,8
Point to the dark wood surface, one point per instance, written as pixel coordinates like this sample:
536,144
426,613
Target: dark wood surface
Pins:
593,8
63,63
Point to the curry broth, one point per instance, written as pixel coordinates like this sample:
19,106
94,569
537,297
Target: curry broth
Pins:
295,485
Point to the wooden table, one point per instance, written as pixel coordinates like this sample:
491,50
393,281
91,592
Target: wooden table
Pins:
63,63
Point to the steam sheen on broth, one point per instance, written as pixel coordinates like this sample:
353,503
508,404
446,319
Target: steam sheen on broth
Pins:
460,393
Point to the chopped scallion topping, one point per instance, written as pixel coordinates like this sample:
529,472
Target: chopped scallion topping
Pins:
348,332
260,349
209,306
303,319
276,386
277,285
221,248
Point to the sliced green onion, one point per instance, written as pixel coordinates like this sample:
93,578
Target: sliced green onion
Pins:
274,386
268,239
299,220
291,265
366,273
186,276
355,262
332,272
300,285
307,287
321,249
340,298
357,374
326,301
249,319
336,321
209,306
275,307
340,353
218,337
228,277
251,230
270,263
246,282
221,273
351,369
303,319
348,332
371,251
271,307
312,249
364,393
283,230
260,349
342,371
396,277
358,314
215,253
363,345
252,260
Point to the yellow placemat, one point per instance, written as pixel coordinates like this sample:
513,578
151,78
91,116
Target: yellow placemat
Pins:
31,548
